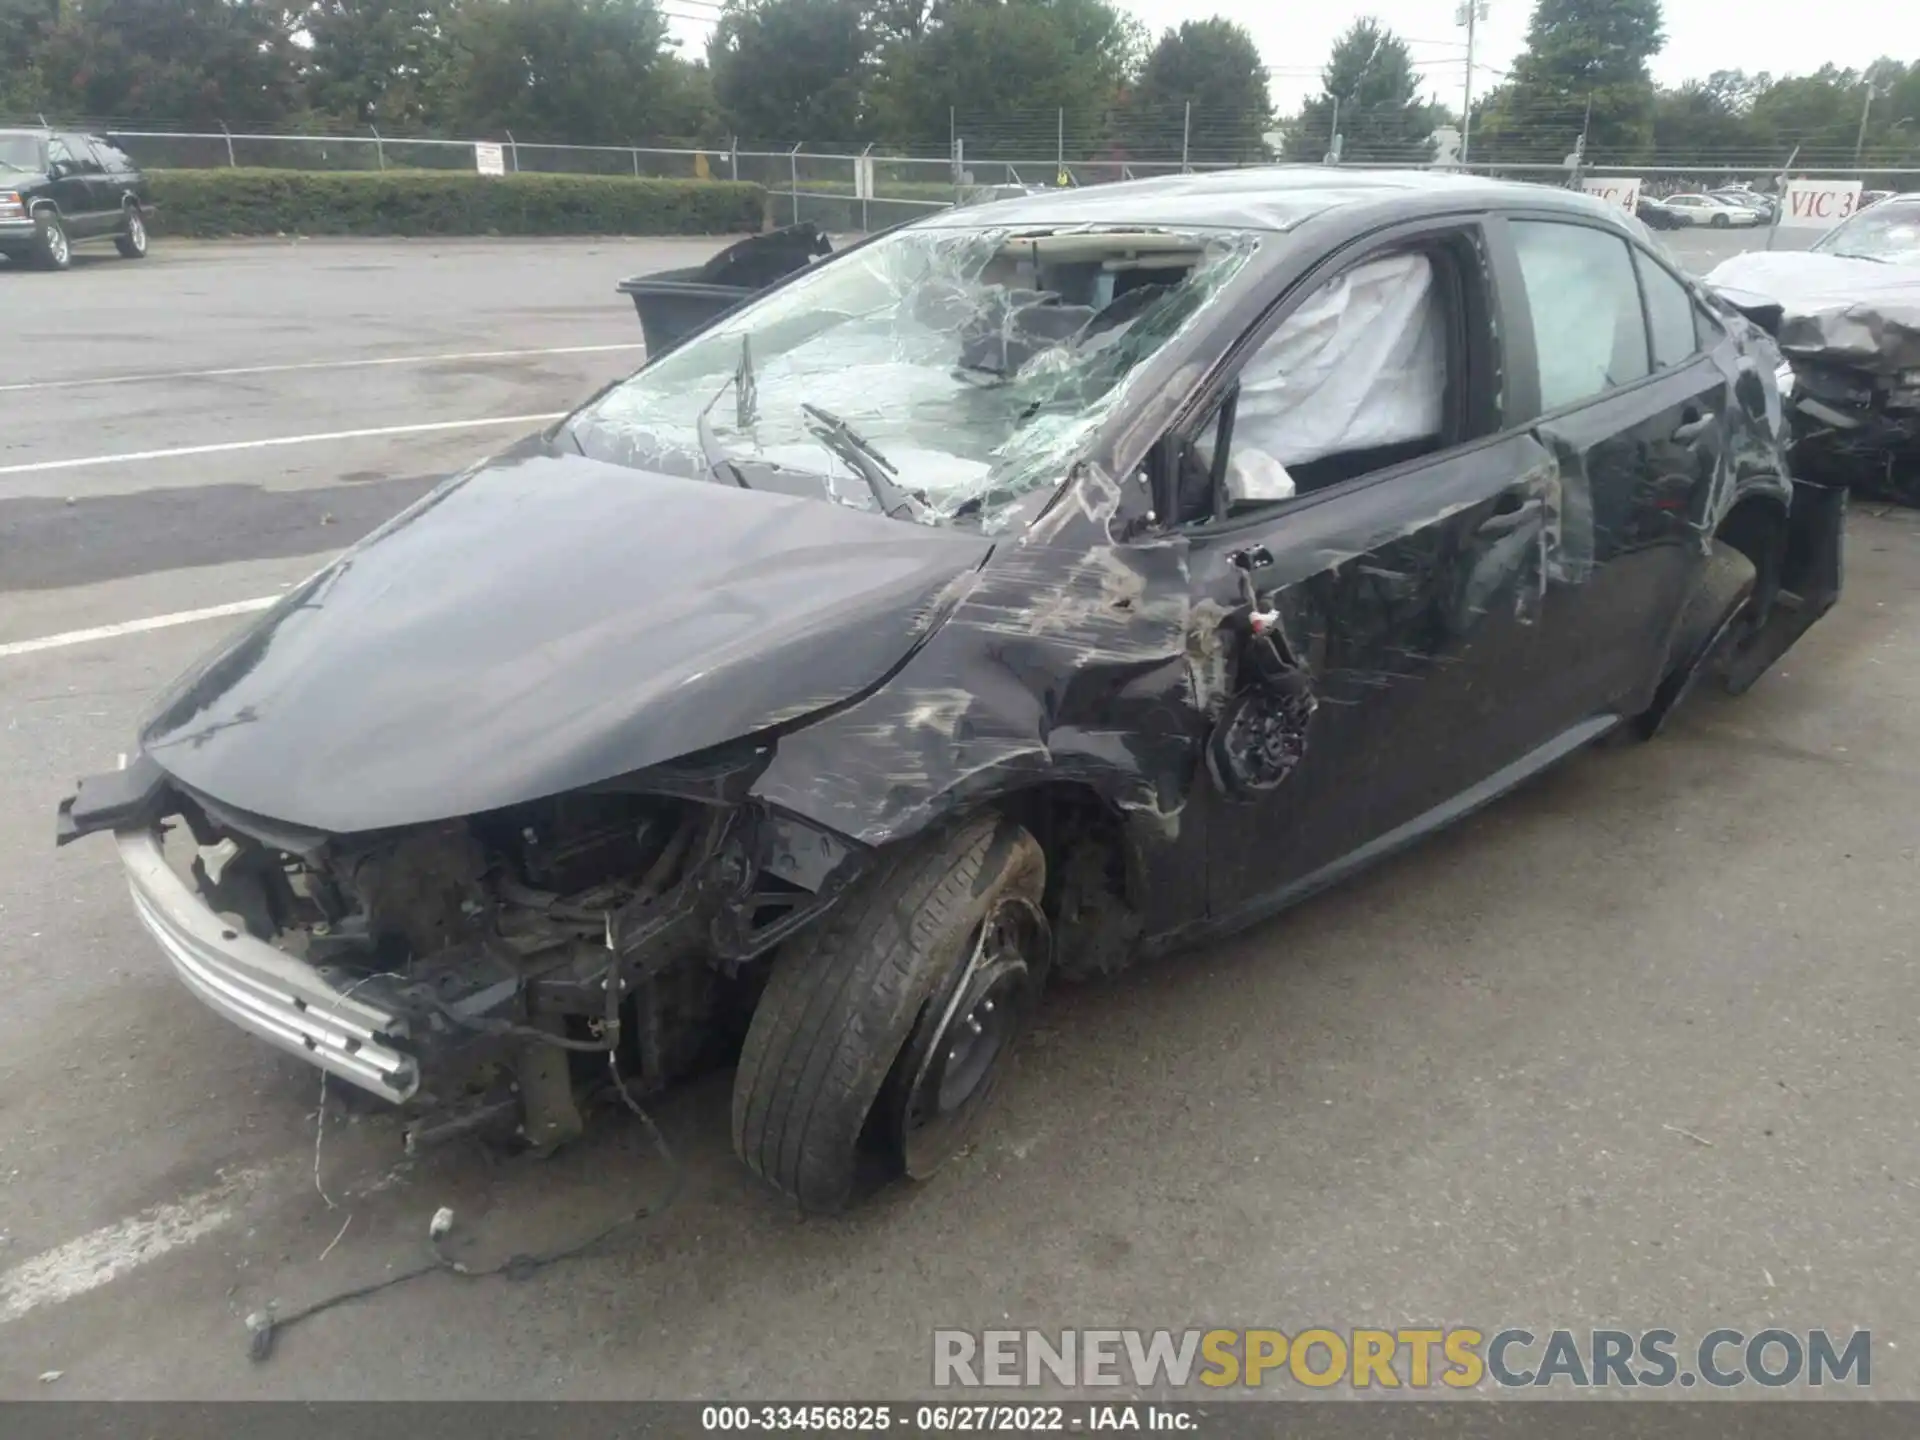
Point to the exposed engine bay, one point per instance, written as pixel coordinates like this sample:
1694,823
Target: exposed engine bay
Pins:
526,945
1861,426
533,956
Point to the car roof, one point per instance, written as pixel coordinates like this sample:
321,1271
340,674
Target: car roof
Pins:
1263,197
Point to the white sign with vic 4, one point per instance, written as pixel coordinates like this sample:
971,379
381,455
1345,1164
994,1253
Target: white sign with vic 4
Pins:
489,159
1621,190
1818,204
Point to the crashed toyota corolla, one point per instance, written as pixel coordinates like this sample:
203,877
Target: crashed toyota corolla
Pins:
1038,586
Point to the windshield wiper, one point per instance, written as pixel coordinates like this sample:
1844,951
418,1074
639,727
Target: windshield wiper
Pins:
873,467
719,462
745,392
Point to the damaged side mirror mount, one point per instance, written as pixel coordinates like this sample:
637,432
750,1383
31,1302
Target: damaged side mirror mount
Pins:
1261,734
1259,608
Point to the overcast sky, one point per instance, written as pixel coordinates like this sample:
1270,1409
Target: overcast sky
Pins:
1783,36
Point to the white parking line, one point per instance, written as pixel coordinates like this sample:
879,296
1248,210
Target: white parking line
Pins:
134,627
111,1251
34,467
363,364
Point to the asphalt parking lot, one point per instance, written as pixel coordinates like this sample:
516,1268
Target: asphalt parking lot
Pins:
1633,1048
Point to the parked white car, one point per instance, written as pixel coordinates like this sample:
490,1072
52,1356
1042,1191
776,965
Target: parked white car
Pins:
1710,210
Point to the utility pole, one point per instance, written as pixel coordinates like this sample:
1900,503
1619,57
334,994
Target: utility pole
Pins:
1860,142
1468,15
1780,195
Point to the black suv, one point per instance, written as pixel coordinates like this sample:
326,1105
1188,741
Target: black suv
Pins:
57,189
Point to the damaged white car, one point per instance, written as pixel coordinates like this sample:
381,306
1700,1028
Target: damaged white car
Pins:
1847,315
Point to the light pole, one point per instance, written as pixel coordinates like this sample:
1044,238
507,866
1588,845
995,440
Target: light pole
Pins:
1468,14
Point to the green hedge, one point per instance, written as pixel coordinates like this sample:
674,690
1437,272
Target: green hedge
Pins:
427,202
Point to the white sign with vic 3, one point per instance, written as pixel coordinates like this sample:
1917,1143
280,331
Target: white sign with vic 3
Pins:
1621,190
489,159
1818,204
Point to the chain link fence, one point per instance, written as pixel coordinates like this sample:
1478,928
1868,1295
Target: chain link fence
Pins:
847,188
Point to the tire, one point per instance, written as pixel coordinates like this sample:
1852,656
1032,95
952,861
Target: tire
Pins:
52,250
1720,222
132,239
844,1076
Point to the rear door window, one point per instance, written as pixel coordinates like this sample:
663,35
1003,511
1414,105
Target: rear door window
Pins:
1672,321
81,153
1589,335
116,160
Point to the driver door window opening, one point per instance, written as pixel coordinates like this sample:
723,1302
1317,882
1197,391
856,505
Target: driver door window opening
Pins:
1367,372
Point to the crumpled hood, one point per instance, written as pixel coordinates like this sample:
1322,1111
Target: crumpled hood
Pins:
543,623
1860,313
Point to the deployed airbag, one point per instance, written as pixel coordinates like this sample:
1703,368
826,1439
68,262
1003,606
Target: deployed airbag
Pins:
1360,365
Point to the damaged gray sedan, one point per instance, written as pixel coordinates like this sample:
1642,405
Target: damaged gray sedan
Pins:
1036,587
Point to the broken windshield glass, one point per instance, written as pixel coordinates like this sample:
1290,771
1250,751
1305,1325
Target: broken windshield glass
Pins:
932,375
1887,233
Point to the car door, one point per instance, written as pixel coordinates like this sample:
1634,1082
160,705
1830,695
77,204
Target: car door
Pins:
1406,597
72,185
1636,425
115,180
103,197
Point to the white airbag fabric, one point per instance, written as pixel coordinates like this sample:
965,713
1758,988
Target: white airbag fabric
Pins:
1361,364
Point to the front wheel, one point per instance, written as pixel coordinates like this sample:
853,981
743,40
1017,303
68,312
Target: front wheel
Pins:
51,248
1720,222
132,239
884,1029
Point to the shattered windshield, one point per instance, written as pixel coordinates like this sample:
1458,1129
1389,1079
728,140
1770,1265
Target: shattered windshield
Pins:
934,375
19,152
1889,233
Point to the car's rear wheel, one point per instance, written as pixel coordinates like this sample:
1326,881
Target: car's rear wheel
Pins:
884,1029
51,248
132,239
1720,222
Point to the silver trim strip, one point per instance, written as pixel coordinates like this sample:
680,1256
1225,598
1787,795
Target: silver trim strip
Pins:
260,988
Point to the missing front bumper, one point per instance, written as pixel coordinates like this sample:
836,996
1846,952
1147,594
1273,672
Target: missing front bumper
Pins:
261,989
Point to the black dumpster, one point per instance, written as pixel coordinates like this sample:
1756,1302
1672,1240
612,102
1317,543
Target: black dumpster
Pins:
672,304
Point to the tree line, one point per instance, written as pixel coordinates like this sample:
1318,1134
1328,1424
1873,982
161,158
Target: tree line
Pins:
1584,78
1583,85
1013,78
900,72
